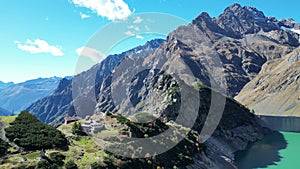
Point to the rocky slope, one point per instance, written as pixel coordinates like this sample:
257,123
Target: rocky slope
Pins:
275,91
53,107
17,97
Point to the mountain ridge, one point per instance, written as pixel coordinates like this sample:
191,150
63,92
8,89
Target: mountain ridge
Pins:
241,53
18,96
241,59
4,85
59,104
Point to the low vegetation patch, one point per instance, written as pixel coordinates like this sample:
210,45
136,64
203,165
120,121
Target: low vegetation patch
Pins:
29,133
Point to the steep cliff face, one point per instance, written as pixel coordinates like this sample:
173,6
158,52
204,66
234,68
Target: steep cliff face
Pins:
275,91
54,107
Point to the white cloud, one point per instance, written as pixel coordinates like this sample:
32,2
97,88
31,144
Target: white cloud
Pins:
139,37
40,46
136,28
91,53
138,20
111,9
129,33
84,16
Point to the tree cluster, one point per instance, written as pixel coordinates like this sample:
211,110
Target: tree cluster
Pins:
3,147
77,129
31,134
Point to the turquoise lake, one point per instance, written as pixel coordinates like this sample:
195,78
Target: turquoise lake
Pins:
276,151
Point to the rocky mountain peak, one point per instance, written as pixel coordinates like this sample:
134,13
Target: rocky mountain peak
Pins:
234,6
155,43
238,21
246,11
289,23
203,17
62,85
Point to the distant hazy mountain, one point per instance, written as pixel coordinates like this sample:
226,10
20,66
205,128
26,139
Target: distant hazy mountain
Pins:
17,97
5,85
4,112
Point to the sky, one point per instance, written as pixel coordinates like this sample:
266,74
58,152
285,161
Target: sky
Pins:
46,38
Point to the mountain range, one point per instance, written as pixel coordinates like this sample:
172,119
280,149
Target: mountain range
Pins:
228,54
17,97
240,54
241,46
54,107
4,85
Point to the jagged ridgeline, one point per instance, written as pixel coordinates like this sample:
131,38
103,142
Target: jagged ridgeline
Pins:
53,108
242,37
17,97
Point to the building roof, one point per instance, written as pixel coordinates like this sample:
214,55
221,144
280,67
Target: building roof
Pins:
72,118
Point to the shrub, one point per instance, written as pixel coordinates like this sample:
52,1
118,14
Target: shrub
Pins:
3,147
77,129
31,134
43,164
96,165
71,165
57,158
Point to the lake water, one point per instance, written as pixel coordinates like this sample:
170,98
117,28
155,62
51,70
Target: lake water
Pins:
276,151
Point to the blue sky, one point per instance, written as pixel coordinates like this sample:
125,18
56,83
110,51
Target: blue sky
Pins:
42,38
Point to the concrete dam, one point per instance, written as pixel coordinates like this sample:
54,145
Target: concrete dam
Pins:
280,123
